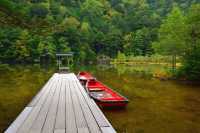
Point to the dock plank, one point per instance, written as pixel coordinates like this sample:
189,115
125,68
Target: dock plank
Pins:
60,118
80,119
24,128
83,130
93,127
99,116
70,115
51,116
36,99
59,131
41,117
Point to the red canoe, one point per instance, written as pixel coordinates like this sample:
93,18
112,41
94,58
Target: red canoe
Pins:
84,77
105,96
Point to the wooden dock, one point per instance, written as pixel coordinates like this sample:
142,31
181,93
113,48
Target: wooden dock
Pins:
61,106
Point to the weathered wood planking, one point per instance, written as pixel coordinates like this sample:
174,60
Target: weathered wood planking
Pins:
61,106
103,123
60,119
28,123
51,116
94,128
70,115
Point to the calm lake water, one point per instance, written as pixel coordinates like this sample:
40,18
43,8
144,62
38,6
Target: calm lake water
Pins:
155,106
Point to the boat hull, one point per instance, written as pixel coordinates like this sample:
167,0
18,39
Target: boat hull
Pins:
111,104
104,96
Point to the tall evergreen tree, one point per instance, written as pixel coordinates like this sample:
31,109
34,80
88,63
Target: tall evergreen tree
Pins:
171,35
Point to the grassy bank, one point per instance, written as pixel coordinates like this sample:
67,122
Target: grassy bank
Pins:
154,59
156,65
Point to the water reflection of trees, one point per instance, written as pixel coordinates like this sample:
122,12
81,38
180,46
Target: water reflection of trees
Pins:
140,70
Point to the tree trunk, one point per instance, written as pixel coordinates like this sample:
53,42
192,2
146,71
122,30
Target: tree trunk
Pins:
174,63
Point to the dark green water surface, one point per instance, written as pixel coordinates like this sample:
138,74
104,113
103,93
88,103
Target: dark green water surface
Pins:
155,106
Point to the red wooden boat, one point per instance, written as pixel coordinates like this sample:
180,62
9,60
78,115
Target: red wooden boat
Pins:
105,96
84,77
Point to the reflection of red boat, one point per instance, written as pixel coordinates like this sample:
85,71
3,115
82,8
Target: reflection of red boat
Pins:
103,95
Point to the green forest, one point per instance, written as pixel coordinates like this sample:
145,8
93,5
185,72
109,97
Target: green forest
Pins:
92,28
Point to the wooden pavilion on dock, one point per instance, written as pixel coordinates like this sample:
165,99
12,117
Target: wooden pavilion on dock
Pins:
61,57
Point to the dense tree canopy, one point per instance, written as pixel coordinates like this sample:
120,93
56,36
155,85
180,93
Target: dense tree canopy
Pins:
91,28
191,62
